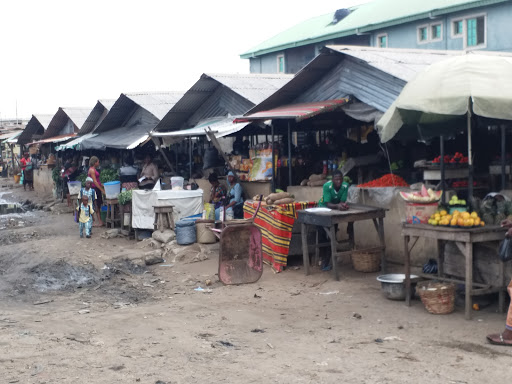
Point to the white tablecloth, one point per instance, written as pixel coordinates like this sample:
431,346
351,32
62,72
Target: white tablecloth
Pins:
186,203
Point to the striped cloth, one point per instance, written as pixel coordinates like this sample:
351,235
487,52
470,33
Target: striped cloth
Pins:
276,223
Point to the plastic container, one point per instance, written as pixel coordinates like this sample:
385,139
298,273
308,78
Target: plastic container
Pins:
74,187
103,213
112,189
460,208
186,232
417,213
177,182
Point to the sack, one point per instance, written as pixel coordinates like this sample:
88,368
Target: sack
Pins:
506,250
209,210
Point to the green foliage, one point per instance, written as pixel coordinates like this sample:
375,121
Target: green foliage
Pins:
81,178
347,179
108,174
125,197
56,175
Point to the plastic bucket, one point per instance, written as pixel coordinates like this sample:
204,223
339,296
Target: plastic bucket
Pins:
103,213
74,187
419,213
112,189
185,232
177,182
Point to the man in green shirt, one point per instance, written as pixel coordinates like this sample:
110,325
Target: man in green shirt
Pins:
335,193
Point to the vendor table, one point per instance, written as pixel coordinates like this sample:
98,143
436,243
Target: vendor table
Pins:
185,203
276,224
329,220
449,173
464,240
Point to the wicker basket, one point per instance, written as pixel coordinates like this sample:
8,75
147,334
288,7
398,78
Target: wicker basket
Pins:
366,260
438,298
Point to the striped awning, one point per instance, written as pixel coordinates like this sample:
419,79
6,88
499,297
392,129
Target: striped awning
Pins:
298,112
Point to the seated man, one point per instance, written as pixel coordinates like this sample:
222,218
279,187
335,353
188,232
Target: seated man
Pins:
334,196
335,193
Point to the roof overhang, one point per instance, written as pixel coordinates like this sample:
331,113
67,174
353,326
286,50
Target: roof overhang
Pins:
296,112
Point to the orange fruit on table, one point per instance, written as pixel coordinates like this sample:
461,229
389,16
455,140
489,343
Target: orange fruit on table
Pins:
477,221
460,222
443,213
474,215
465,215
482,223
453,223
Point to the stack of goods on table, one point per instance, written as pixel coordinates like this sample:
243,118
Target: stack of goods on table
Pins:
456,220
456,159
318,180
277,198
389,180
494,209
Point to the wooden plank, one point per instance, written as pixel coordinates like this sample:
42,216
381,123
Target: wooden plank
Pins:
469,280
407,270
305,250
382,239
452,280
334,260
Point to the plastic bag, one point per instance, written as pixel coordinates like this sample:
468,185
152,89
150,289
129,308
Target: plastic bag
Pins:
506,250
209,211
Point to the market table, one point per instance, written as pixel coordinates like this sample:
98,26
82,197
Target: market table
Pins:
276,224
464,239
185,202
330,219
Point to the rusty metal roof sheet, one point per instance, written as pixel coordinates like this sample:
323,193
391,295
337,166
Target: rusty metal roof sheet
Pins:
35,126
76,115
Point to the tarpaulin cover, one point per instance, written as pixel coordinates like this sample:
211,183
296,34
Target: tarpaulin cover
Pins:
119,138
186,203
276,224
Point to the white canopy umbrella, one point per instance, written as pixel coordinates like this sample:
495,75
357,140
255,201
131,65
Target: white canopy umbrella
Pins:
474,82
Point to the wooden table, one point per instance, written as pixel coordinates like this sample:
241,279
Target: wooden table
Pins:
329,220
464,240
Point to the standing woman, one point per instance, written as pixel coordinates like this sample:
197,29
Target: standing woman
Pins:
93,173
28,172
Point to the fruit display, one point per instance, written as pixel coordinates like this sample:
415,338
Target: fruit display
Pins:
458,158
456,201
463,184
457,219
425,196
389,180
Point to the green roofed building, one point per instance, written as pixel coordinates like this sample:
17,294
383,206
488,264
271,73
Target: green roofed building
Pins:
413,24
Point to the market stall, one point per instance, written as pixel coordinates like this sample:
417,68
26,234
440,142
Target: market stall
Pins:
464,239
329,220
186,203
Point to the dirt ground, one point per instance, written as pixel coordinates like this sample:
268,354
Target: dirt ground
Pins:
82,311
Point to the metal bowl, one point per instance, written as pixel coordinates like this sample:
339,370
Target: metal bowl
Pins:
393,285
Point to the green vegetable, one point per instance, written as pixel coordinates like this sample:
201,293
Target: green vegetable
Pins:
125,197
81,178
108,174
279,191
56,175
347,179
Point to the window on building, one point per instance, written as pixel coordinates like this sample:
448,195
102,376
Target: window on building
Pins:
280,64
382,41
436,32
423,34
457,28
475,31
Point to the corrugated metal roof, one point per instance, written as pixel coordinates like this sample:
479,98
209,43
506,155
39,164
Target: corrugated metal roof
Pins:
363,18
35,126
375,76
54,139
60,119
96,116
156,103
220,95
119,138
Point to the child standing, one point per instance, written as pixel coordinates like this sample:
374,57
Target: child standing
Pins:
84,215
93,198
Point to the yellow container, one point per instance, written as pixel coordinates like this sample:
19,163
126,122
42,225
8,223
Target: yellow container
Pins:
17,179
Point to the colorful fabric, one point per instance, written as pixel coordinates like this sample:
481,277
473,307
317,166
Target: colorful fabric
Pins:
87,226
330,195
218,194
276,224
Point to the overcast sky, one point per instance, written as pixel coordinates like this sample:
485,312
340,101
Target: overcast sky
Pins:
70,53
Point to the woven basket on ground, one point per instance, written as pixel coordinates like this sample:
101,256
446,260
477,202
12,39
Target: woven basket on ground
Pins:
438,298
366,260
